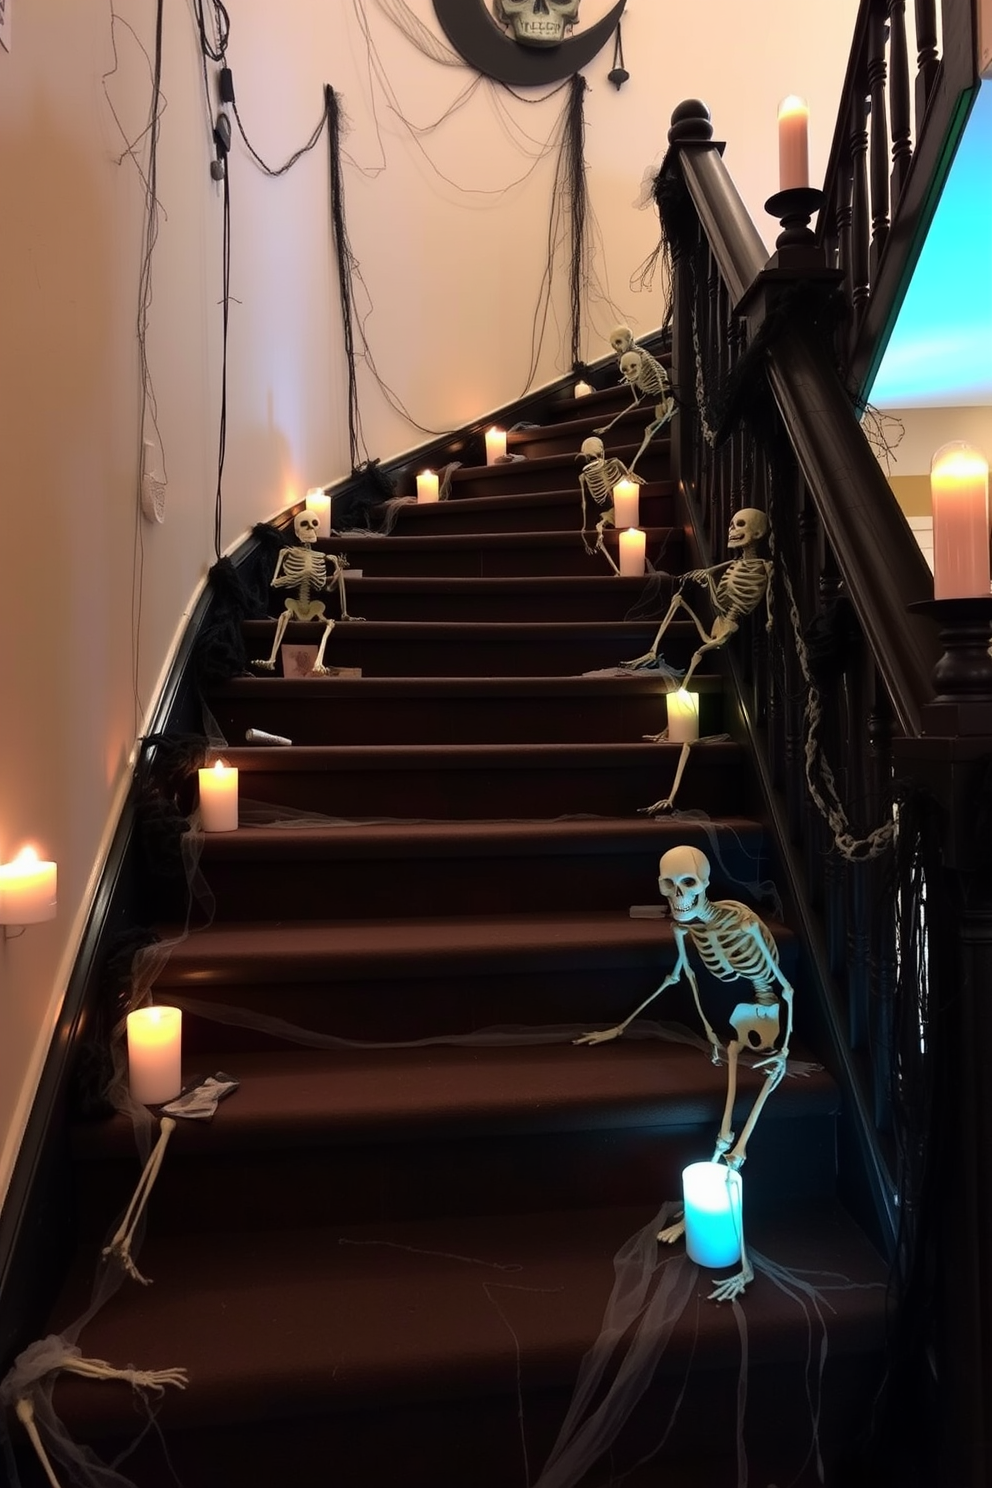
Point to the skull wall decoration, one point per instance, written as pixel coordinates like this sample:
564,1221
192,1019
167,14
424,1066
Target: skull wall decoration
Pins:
537,23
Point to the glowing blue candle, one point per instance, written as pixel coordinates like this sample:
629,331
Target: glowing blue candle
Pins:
713,1220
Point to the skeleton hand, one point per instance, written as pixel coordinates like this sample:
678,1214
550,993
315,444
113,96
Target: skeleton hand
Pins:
733,1286
775,1066
666,804
673,1232
602,1037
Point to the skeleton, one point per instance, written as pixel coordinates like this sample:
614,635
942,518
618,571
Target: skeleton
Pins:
596,479
306,570
537,23
732,943
643,373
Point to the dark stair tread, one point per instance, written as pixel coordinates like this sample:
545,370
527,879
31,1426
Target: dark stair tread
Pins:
314,758
331,1319
358,543
305,1096
464,632
625,452
636,683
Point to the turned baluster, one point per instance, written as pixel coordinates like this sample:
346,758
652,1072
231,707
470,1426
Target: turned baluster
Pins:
927,61
878,34
902,149
859,208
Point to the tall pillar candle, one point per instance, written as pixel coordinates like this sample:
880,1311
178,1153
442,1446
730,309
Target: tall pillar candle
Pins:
219,798
154,1054
427,487
713,1213
27,889
626,503
793,143
959,488
683,716
319,503
495,445
632,547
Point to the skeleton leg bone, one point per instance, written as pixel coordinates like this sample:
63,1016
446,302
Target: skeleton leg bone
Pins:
668,801
663,414
270,662
318,665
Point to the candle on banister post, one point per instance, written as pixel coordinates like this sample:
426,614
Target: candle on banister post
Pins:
793,143
959,488
713,1219
495,445
427,486
154,1054
219,798
319,503
683,716
626,503
27,889
632,547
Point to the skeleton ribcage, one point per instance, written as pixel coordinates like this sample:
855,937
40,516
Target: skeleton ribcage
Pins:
601,476
728,948
652,377
742,587
303,565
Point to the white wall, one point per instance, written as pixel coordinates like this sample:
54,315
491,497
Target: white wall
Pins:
91,596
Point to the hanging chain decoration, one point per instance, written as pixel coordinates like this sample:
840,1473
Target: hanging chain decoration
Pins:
618,73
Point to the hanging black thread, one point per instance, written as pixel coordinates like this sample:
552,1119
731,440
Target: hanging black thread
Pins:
577,197
346,263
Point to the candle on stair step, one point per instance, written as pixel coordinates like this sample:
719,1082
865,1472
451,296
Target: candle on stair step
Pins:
219,798
319,503
154,1054
427,486
582,389
713,1198
632,548
626,504
683,716
959,490
495,445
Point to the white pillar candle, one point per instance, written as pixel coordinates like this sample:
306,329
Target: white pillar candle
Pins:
683,716
626,503
27,889
713,1219
495,445
793,143
219,798
427,486
582,389
632,546
959,489
319,503
154,1054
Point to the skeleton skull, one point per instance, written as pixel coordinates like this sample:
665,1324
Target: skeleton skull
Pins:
684,876
622,339
746,526
538,23
630,365
306,525
593,448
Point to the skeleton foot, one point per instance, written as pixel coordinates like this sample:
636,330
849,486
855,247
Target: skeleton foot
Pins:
656,809
602,1037
733,1286
723,1145
267,666
672,1232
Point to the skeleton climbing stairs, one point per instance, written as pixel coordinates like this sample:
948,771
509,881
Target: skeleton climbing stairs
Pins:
384,1265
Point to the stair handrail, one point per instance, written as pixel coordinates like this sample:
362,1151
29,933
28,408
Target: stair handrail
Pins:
850,491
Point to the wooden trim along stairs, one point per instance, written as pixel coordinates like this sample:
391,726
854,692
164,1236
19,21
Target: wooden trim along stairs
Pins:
384,1265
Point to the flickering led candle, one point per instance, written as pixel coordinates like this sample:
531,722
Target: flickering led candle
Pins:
626,503
632,548
154,1054
495,445
683,716
713,1219
793,143
27,889
959,488
319,503
219,798
582,389
427,486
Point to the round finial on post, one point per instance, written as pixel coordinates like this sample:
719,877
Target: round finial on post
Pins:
690,122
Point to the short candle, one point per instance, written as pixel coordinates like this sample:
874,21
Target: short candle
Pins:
582,389
793,143
959,488
626,503
632,547
495,445
219,798
427,486
27,889
319,503
154,1054
683,716
713,1220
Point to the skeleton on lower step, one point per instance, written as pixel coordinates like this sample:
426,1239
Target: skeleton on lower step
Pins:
309,572
596,479
644,375
733,944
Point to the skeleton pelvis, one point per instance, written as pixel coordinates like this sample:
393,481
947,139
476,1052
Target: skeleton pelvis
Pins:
756,1024
312,610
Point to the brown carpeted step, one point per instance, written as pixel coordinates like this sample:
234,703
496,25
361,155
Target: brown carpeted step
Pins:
554,510
566,436
424,648
619,1121
456,710
308,1346
449,781
555,472
554,600
499,555
458,868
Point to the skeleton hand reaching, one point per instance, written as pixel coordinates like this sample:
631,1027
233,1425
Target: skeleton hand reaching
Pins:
602,1037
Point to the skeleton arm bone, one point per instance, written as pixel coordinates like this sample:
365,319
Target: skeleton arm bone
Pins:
605,1035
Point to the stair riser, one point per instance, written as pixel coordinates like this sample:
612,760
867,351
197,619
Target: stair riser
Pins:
629,428
554,514
542,607
564,559
557,474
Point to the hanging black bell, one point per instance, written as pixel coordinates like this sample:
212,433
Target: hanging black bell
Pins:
618,76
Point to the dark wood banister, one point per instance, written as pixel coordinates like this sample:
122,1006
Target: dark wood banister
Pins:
879,559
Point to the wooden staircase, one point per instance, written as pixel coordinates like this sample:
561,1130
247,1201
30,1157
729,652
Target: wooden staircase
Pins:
384,1265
